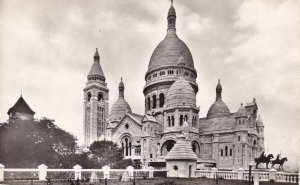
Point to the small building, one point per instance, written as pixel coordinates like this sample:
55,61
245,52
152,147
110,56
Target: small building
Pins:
20,111
181,160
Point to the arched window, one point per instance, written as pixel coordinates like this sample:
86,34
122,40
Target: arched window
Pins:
149,103
226,150
89,96
100,96
221,152
169,121
185,118
181,120
161,100
173,121
154,101
239,138
230,152
126,144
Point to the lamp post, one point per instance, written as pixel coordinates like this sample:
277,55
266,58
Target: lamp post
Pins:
251,163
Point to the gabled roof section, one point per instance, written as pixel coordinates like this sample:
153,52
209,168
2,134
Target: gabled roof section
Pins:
149,118
22,107
136,118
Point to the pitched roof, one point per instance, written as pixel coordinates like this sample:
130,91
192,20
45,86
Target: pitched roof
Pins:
21,106
182,150
217,124
137,117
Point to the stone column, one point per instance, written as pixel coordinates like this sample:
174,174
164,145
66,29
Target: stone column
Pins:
176,117
106,170
151,172
240,173
130,171
272,174
77,169
2,172
256,178
213,173
42,172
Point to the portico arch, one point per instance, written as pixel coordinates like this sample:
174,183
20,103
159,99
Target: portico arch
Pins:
196,147
167,146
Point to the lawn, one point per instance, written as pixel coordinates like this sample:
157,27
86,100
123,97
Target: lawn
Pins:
160,181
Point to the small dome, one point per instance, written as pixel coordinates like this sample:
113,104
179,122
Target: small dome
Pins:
182,150
242,111
180,93
217,109
259,122
119,109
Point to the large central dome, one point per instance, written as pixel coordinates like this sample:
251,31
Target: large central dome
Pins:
168,52
163,68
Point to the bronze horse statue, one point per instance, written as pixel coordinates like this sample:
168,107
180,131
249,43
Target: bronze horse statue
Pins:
263,159
280,162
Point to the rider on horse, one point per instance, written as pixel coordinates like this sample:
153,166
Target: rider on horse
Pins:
278,157
263,155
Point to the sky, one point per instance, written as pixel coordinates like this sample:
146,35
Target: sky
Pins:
47,48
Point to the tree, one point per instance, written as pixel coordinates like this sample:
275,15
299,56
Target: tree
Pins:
103,153
33,142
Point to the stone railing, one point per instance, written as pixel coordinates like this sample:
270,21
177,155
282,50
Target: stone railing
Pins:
42,173
240,174
203,173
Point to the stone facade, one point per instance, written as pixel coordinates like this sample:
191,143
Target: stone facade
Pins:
222,139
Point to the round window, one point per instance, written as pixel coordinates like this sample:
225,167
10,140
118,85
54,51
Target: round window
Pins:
175,168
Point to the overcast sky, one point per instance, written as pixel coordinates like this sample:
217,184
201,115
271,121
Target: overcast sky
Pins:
47,48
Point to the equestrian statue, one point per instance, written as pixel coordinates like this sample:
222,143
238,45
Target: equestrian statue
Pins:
263,159
279,161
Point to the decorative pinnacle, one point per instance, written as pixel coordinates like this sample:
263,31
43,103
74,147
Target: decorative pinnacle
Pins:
171,2
96,56
219,90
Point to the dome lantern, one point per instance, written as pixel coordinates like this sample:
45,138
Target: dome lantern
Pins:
219,91
121,88
171,18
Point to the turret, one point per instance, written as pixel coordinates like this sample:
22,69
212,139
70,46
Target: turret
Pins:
95,103
241,116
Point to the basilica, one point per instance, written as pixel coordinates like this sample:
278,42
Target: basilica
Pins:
222,139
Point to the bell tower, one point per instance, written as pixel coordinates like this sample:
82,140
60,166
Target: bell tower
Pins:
95,103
